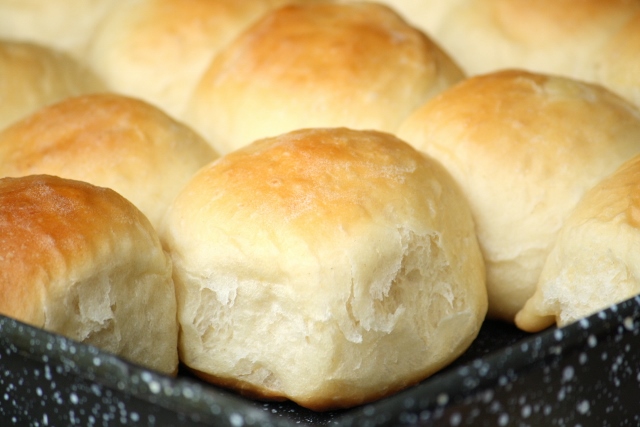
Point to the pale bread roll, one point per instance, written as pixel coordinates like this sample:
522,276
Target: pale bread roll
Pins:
33,76
111,141
65,25
327,266
524,147
158,49
318,64
594,262
618,67
82,261
546,36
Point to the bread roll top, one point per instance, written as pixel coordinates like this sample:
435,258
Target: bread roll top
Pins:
35,76
82,261
318,64
109,140
545,36
64,25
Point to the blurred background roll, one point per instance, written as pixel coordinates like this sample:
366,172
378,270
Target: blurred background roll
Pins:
546,36
157,50
592,40
33,76
65,25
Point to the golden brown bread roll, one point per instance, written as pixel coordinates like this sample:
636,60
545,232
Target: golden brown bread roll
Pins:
82,261
594,262
158,49
109,140
524,147
318,64
326,266
33,76
547,36
65,25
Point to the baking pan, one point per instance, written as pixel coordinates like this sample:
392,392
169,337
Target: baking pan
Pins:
585,374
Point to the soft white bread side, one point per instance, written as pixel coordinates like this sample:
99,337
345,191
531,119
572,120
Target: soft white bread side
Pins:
33,76
318,64
547,36
157,50
111,141
594,262
83,262
327,266
524,147
65,25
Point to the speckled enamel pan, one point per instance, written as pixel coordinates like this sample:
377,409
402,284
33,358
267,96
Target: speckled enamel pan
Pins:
586,374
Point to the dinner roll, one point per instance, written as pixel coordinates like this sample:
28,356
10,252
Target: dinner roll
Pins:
547,36
330,267
65,25
158,49
593,263
33,76
318,64
108,140
524,147
82,261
